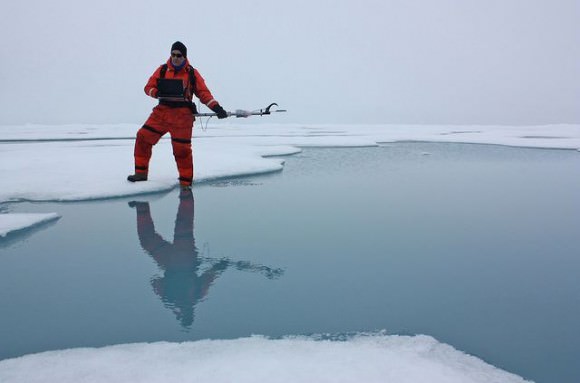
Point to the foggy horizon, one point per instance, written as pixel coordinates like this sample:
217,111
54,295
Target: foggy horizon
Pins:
399,62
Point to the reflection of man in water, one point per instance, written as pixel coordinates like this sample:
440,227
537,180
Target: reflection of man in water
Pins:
181,287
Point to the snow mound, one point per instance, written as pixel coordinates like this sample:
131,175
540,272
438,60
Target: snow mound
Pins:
360,358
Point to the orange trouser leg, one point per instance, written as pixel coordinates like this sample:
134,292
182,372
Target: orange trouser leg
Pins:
179,123
147,136
181,130
184,159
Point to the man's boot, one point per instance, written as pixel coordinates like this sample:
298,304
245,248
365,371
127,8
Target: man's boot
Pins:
137,177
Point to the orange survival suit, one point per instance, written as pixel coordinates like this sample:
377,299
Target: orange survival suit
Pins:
173,117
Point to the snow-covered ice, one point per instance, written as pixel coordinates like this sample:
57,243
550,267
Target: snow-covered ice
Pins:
81,162
362,358
14,222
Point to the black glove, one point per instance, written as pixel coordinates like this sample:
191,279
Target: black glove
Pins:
219,111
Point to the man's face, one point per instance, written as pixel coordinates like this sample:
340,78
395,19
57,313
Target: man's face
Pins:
177,58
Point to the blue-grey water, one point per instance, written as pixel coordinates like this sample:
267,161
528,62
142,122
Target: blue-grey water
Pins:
474,245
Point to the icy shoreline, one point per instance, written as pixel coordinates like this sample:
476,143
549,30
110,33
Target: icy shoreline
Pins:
362,358
84,162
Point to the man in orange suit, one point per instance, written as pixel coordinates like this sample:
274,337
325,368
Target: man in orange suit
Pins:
173,114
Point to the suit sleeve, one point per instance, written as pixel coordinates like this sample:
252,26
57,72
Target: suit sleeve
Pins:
151,86
202,92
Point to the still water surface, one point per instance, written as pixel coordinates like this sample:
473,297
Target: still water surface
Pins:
474,245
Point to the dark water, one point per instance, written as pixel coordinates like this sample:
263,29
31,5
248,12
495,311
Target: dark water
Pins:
474,245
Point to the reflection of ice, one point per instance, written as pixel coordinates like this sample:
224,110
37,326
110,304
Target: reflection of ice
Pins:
358,358
187,275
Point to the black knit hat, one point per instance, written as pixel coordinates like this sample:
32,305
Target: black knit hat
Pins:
178,46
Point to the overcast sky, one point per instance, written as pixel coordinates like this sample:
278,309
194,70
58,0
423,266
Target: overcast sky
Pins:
335,61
